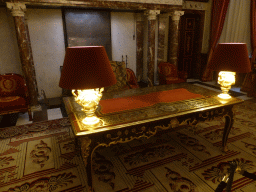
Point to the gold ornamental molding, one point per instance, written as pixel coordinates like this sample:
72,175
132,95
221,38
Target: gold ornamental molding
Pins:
168,2
142,5
17,9
195,5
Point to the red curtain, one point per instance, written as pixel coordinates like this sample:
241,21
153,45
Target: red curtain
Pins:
219,10
249,81
253,29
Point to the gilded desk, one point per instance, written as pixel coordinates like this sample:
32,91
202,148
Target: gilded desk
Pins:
122,127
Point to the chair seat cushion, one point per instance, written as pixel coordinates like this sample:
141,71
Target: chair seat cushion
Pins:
134,86
170,80
12,103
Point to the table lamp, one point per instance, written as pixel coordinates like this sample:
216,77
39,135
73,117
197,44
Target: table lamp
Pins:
86,71
229,58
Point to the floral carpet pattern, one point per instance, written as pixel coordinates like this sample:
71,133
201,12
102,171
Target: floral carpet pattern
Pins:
42,157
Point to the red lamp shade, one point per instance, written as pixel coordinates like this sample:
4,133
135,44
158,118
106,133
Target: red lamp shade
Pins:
86,67
231,57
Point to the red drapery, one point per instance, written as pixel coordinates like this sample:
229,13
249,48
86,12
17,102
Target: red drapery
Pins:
253,29
219,10
249,81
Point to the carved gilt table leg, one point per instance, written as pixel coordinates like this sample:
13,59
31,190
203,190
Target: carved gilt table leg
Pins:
86,152
229,120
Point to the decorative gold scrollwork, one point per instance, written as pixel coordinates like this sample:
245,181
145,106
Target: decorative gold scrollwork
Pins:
129,136
151,133
119,133
142,130
193,123
173,124
85,149
217,113
8,85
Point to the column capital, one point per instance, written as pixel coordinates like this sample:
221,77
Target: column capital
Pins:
17,9
151,14
176,15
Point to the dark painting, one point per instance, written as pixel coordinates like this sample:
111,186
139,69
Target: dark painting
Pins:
88,28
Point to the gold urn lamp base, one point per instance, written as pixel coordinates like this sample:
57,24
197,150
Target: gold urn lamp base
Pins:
89,100
226,79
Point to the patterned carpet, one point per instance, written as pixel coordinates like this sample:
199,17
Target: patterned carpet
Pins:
42,157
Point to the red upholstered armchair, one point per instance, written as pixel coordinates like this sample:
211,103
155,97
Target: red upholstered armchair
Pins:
131,79
14,96
169,74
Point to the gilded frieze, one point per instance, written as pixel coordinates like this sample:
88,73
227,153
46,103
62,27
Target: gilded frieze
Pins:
151,113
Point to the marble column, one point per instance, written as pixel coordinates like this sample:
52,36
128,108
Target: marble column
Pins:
162,38
139,45
151,16
25,51
173,36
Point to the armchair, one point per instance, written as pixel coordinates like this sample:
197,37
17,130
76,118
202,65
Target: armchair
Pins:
120,73
14,96
169,74
125,77
131,79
